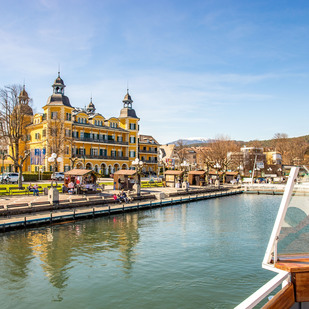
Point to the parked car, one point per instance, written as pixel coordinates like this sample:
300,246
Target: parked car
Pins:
10,178
57,176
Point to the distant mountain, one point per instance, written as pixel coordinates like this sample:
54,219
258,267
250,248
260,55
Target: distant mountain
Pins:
198,141
191,140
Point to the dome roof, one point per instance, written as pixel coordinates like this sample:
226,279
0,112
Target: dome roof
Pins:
23,109
127,97
59,80
58,99
91,108
26,109
23,94
127,112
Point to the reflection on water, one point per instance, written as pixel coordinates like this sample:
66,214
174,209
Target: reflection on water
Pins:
56,248
184,256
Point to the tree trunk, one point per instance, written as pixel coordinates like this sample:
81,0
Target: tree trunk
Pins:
20,174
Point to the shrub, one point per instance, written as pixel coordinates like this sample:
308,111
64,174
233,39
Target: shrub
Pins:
31,176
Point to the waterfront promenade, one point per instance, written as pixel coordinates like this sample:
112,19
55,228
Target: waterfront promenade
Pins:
29,210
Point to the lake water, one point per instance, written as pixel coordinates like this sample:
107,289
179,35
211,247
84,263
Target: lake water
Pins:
205,254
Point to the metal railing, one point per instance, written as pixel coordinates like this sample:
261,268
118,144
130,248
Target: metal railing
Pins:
99,140
148,151
264,291
89,156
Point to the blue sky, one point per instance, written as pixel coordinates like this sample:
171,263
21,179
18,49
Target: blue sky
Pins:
194,68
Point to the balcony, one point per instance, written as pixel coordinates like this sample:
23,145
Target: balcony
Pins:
98,157
101,141
150,161
148,151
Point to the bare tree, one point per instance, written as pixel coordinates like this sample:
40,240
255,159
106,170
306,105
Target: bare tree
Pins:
14,117
292,149
280,144
296,149
181,151
58,135
219,150
205,159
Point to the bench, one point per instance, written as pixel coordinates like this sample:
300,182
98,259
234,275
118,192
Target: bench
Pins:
3,191
17,205
16,190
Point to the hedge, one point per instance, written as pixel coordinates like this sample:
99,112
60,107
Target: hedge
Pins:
35,176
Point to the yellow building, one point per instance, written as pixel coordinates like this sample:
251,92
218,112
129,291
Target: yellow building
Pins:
83,138
148,153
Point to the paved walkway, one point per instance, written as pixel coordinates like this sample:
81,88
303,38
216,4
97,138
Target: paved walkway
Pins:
57,215
108,192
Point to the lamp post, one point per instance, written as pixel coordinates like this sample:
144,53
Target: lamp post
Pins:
53,193
184,166
217,166
280,170
53,159
138,165
2,168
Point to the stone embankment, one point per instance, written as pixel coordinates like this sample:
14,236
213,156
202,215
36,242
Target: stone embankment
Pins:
274,189
31,212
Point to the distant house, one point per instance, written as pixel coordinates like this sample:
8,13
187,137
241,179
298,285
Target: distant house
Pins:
169,156
148,152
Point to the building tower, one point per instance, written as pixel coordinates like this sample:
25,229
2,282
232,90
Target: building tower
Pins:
91,108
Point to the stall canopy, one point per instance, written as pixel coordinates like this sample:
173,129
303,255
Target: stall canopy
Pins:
176,173
201,173
78,172
125,172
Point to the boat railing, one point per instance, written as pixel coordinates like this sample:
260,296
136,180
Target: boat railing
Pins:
254,299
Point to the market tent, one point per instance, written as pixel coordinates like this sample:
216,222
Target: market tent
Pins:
81,177
125,172
124,179
172,172
78,172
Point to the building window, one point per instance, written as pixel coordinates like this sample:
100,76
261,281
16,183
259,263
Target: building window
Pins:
132,154
68,116
132,126
113,125
37,135
132,139
54,115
